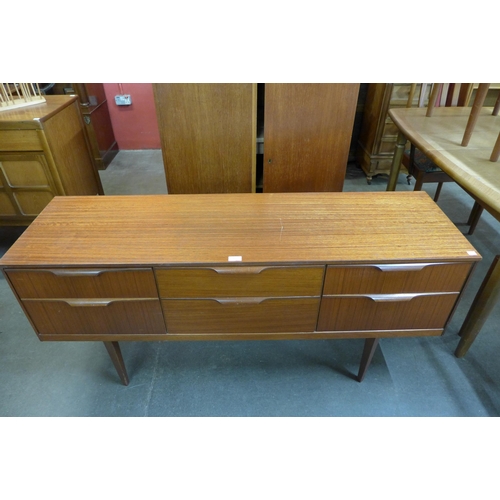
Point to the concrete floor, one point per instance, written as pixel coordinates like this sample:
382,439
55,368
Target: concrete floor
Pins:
408,377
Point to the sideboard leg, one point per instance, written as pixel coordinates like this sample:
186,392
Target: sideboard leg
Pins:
366,358
484,302
115,354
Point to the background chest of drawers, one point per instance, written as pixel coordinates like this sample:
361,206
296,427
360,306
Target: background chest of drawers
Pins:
43,153
378,134
247,266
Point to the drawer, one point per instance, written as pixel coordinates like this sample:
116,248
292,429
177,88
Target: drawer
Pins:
20,140
248,315
390,130
385,312
92,283
94,317
387,145
240,281
395,278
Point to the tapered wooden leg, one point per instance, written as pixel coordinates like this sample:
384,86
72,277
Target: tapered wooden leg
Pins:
115,354
475,112
366,358
433,98
486,298
496,109
495,154
396,162
474,217
438,191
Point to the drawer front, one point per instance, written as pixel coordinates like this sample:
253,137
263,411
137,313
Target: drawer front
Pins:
83,283
26,183
78,317
390,130
395,278
233,281
385,313
244,316
20,140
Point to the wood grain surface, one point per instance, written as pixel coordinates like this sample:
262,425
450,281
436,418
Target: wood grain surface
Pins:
307,133
254,281
303,228
208,136
30,116
440,137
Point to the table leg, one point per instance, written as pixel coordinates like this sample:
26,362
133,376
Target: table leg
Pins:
396,162
486,298
115,354
366,358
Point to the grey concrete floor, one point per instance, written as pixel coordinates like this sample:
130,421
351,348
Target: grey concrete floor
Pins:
408,377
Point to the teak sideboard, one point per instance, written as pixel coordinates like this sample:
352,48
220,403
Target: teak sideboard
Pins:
239,266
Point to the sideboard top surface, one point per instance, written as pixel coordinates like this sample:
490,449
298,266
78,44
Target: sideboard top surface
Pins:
28,117
221,228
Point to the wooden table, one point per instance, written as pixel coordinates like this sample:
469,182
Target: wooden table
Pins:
440,137
239,267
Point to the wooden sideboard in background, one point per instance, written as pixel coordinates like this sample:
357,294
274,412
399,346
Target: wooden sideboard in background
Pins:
44,152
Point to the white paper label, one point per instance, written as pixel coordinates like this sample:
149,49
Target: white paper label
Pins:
234,258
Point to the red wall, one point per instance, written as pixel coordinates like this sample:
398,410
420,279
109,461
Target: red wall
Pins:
134,126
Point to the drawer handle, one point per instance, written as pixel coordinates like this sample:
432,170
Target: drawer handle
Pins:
241,301
88,303
403,297
394,297
238,270
76,272
402,267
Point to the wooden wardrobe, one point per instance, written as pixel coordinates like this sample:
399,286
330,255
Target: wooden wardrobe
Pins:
278,137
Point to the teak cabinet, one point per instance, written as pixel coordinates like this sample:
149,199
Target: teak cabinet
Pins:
43,153
273,137
378,134
239,267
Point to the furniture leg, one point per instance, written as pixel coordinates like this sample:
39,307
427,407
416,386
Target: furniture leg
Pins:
433,98
486,298
474,217
495,154
475,111
496,109
366,358
396,162
115,354
419,181
438,191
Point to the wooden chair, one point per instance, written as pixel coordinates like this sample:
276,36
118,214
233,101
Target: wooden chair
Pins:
418,165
